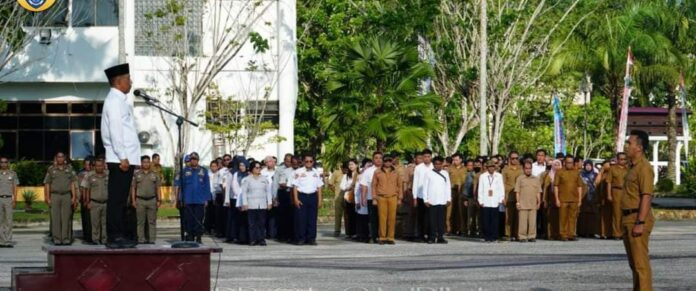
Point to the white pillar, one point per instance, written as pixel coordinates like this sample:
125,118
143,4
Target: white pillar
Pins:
678,162
656,146
287,74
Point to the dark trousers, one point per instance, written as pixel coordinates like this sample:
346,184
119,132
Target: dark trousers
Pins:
361,226
243,227
119,187
306,218
437,221
271,224
349,218
285,216
541,222
257,224
86,223
374,220
220,215
209,220
423,219
490,223
232,231
193,216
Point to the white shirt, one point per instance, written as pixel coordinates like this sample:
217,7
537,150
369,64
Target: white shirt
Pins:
118,131
494,183
272,178
346,182
436,189
419,178
233,187
215,183
366,180
307,181
537,169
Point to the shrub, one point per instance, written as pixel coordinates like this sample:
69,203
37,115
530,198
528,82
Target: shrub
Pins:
30,173
688,186
168,173
664,186
29,197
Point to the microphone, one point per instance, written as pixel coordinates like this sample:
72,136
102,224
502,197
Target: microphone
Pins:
141,93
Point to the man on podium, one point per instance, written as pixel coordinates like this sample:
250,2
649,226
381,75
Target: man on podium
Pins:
122,146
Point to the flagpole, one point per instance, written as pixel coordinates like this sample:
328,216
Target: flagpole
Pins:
623,118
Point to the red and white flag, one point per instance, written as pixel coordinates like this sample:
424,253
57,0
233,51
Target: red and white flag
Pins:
623,117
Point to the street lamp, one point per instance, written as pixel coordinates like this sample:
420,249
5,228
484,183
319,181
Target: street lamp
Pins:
586,89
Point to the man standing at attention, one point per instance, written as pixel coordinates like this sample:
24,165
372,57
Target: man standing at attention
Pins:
615,192
638,221
528,191
568,193
8,201
419,175
510,174
120,139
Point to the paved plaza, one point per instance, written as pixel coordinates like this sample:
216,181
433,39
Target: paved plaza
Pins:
337,264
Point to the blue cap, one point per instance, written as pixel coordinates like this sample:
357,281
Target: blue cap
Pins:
187,159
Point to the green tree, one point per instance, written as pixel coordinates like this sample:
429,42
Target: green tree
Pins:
373,98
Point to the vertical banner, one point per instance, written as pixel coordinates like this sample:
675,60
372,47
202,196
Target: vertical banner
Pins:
685,119
558,133
623,117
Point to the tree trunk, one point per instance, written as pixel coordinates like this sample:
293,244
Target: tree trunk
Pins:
483,81
672,137
121,31
497,132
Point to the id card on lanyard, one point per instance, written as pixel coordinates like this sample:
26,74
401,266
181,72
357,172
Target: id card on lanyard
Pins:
490,186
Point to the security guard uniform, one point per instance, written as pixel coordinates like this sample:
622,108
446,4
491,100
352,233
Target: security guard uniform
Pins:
146,191
638,181
97,187
8,186
84,211
60,181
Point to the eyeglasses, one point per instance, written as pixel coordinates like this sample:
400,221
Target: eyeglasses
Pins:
514,158
308,161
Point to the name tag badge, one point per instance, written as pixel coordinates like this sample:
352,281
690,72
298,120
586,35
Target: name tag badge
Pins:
490,193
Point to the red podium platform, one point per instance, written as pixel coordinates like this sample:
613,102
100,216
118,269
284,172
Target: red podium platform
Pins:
95,268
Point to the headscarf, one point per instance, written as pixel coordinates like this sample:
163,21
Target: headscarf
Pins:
235,168
552,172
589,178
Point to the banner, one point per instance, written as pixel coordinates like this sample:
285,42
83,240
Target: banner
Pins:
623,117
558,134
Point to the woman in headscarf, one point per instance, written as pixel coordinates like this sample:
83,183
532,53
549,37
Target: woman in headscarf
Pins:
588,222
552,222
236,221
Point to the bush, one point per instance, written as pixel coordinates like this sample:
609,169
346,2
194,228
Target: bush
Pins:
30,173
688,186
168,173
664,186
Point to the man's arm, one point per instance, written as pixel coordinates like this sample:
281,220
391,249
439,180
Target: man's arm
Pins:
116,137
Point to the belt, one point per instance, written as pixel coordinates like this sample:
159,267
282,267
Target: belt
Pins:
617,187
98,201
308,193
61,193
629,211
5,196
146,198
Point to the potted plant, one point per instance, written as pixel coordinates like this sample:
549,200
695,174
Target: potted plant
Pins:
29,197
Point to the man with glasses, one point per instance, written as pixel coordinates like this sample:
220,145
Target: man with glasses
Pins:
8,201
615,192
510,174
61,196
568,193
196,193
306,192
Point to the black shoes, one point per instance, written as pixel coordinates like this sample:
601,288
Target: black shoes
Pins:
441,241
121,243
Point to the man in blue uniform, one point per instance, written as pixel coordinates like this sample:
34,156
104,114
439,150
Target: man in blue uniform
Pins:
195,194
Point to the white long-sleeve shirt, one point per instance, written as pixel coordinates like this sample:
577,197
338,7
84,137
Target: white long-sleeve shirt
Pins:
494,183
366,180
118,131
437,188
271,177
419,178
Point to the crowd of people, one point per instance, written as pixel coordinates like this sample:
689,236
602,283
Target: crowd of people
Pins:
378,199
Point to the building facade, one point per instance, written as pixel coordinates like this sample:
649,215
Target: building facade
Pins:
55,99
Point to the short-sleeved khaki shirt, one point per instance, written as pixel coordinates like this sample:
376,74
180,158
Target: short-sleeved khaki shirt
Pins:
568,182
146,183
639,181
60,179
616,176
528,187
510,174
458,175
98,185
8,180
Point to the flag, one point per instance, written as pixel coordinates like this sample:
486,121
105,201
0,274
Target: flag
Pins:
623,117
685,122
558,134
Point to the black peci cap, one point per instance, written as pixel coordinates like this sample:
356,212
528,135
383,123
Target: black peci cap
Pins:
117,70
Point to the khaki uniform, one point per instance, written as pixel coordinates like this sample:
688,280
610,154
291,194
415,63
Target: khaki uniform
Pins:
8,186
456,211
510,174
605,208
568,182
97,186
146,184
529,189
335,183
61,181
552,227
84,211
388,189
638,181
615,180
410,212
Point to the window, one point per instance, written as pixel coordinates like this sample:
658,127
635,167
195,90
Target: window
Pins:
81,144
94,13
82,108
58,141
30,145
157,35
57,108
30,108
9,144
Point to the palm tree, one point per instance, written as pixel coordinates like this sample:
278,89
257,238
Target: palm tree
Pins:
374,99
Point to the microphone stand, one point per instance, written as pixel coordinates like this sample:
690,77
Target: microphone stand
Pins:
179,122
